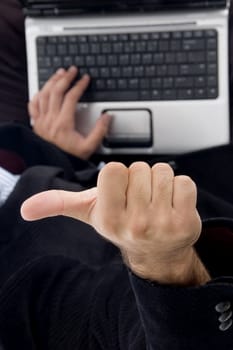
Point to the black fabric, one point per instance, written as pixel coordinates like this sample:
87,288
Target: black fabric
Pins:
13,68
63,287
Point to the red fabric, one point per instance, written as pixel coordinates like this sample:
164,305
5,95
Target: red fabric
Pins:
12,162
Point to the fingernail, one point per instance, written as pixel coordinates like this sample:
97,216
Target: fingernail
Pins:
60,71
86,76
72,69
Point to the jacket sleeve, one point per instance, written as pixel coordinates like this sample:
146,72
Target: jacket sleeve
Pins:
180,318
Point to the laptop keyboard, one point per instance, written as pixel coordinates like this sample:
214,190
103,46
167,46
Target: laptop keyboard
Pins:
180,65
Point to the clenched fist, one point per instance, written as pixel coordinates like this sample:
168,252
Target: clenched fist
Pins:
147,212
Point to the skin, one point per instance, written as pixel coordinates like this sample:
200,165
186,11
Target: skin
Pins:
148,213
52,111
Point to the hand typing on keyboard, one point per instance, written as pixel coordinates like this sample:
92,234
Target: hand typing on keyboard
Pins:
52,112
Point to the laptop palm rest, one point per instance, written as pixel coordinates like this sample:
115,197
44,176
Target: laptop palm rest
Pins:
129,128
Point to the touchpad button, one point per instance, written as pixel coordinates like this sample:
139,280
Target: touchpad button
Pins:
129,128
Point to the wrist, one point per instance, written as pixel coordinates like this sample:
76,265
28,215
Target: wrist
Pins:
187,271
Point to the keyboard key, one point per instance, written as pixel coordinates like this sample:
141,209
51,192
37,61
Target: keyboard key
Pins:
188,34
40,50
164,45
145,84
111,84
45,73
124,60
145,95
116,72
193,44
67,61
200,81
129,47
82,39
62,50
169,94
186,94
104,72
199,69
84,49
184,82
212,81
170,57
95,48
198,34
212,56
212,44
158,58
106,48
212,92
111,96
181,57
51,50
147,58
100,84
173,70
45,62
90,61
140,46
73,49
101,60
133,84
211,33
150,71
112,60
156,83
94,72
194,57
127,72
122,84
152,46
57,62
139,71
175,45
212,68
156,95
177,35
79,61
200,93
135,59
185,69
168,83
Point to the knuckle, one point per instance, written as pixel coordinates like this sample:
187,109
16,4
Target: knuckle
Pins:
186,182
139,166
58,88
113,168
44,94
163,168
137,228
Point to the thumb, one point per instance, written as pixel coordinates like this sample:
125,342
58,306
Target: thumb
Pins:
77,205
97,134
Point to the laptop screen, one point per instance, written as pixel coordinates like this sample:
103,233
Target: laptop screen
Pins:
122,5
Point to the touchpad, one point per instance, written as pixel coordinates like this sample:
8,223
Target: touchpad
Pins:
129,128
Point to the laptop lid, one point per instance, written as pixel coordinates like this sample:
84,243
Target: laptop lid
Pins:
64,7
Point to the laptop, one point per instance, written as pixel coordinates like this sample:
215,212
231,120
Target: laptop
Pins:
159,67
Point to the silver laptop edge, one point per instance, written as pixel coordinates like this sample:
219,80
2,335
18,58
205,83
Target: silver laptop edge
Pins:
177,126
